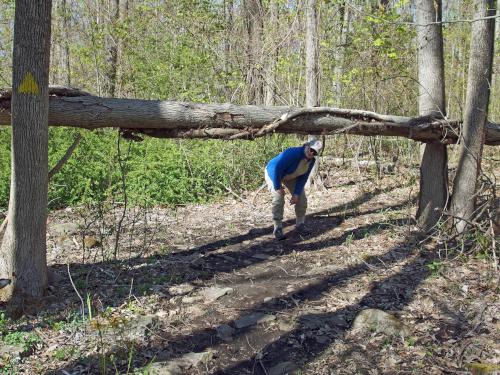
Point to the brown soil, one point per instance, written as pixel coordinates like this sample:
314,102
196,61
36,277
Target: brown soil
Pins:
363,253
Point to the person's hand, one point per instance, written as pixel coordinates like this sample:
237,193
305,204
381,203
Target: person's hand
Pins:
294,199
281,191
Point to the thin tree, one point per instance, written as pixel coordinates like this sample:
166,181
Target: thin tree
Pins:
434,165
227,40
113,43
23,250
272,56
312,55
340,50
312,70
67,31
253,18
465,183
60,46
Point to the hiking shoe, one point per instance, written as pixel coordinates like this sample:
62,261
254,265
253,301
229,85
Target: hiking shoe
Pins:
303,230
278,234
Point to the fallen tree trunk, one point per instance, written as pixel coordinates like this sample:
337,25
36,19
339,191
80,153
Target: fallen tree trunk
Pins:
170,119
357,163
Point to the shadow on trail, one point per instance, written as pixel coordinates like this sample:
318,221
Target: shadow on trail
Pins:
140,270
241,258
209,263
211,260
349,210
381,295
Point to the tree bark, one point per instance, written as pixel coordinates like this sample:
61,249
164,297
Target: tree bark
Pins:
271,61
67,30
228,39
312,73
433,194
254,27
476,111
23,250
169,119
340,52
312,55
60,54
112,42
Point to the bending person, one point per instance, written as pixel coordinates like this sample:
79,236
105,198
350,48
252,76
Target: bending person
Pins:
291,168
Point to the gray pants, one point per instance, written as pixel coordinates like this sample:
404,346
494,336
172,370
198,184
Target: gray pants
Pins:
278,203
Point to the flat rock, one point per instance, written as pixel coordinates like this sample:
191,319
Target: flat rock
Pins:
194,359
213,293
129,330
191,299
140,326
379,321
181,289
164,368
179,366
251,319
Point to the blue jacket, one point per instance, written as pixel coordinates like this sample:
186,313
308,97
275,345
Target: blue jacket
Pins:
286,163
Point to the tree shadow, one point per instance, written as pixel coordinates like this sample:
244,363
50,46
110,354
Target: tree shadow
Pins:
378,298
348,210
207,263
137,275
212,261
200,258
278,351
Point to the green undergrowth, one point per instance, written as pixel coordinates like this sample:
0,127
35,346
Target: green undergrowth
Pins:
153,172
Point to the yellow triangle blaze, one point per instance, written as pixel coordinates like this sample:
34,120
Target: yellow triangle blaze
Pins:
28,85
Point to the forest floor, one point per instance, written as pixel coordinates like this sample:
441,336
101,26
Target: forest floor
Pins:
206,289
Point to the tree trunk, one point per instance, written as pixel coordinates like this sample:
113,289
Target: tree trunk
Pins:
253,22
312,55
312,74
271,61
433,193
66,14
228,36
23,250
340,52
167,119
476,111
112,42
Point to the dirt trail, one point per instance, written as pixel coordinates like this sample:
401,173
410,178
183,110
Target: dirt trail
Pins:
225,298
